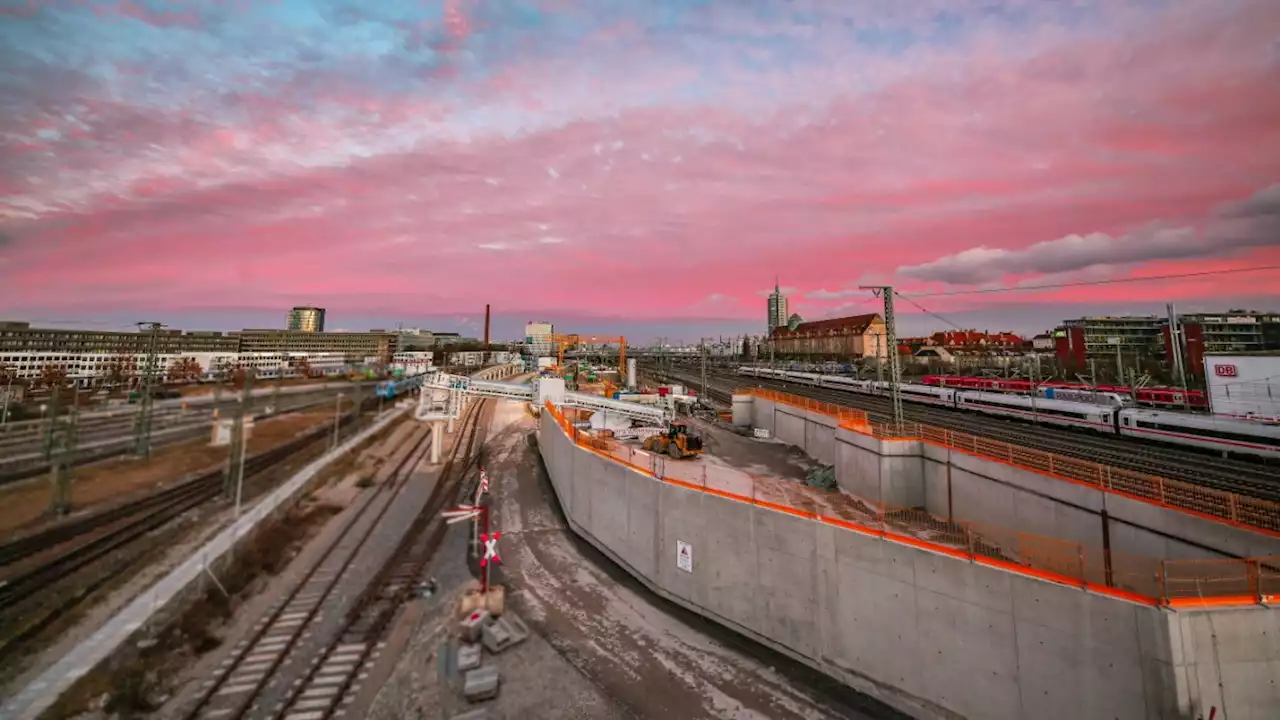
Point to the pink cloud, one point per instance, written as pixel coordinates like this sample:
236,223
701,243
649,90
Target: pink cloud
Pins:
374,199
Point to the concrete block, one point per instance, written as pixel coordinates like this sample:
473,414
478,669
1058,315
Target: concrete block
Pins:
469,656
473,624
481,684
504,633
476,714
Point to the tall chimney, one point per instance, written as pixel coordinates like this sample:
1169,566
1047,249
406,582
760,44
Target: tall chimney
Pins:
486,325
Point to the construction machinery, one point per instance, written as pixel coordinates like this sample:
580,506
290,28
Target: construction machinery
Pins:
675,442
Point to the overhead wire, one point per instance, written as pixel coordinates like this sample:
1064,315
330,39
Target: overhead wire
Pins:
1091,283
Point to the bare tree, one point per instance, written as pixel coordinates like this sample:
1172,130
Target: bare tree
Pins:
185,370
120,370
51,376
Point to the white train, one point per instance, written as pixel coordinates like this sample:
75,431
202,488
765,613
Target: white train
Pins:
1104,415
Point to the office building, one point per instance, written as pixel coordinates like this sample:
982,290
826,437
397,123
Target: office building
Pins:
539,338
353,345
777,312
20,337
306,319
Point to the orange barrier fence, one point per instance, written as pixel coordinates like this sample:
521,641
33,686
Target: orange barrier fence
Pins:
1153,581
1253,513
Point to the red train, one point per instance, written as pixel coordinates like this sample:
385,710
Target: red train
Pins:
1156,397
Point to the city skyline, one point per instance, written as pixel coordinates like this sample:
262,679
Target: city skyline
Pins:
378,160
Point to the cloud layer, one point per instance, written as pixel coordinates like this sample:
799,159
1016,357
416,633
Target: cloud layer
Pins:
657,159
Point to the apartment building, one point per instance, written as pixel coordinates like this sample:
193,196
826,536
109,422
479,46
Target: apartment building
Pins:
1137,339
1102,338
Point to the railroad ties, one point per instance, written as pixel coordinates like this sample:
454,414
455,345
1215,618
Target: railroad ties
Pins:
281,642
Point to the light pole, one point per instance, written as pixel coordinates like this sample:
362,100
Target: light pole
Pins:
8,392
337,416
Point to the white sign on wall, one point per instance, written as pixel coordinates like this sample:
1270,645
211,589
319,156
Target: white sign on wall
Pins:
761,433
684,556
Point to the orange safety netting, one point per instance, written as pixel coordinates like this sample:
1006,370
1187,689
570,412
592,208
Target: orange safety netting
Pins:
1253,513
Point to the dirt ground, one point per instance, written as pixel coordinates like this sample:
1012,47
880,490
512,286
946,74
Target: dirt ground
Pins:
24,504
603,646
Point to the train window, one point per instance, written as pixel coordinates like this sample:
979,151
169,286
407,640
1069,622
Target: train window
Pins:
1126,422
1210,433
1038,410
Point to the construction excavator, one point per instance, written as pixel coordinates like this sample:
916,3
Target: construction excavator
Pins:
675,442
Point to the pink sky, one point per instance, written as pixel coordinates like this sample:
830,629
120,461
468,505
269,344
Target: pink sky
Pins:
638,164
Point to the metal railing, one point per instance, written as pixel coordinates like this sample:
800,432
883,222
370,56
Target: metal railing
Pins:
1253,513
1091,567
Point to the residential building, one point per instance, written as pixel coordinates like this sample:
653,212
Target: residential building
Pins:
353,345
306,319
1043,342
1133,339
854,337
777,313
1237,331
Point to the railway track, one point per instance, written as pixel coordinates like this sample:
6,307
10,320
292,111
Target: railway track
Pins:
1231,475
355,650
286,665
106,538
21,454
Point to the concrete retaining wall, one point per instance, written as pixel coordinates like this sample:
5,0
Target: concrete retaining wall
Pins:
950,483
932,635
62,675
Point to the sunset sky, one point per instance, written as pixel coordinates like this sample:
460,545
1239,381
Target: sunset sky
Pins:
644,166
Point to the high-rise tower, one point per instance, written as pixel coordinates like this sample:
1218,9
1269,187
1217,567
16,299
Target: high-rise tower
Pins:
777,308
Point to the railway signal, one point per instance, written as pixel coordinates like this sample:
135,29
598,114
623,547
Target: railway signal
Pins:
490,557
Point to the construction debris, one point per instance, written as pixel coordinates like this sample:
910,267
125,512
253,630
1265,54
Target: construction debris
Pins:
823,478
481,684
504,633
469,656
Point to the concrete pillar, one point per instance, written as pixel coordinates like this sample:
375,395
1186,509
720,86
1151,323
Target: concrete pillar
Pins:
437,429
450,426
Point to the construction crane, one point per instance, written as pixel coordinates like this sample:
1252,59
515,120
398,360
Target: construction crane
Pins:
568,342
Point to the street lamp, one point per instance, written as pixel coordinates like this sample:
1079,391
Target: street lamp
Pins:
337,415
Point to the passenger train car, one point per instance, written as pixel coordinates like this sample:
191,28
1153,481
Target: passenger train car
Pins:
1157,397
1224,435
392,389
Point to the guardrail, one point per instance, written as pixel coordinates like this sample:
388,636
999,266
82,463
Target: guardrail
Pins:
1093,568
1252,513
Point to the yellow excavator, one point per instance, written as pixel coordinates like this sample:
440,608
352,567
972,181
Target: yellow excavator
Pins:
675,442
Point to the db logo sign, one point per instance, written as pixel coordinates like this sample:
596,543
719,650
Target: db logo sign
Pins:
1224,370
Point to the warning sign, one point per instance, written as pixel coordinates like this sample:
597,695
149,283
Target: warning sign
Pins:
684,556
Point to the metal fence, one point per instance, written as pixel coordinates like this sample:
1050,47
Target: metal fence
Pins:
1253,513
1143,579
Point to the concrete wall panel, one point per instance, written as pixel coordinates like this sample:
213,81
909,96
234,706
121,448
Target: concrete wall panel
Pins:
972,665
762,415
640,548
786,590
857,470
789,427
729,559
820,442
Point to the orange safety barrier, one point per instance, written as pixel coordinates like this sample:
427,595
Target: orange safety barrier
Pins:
1253,513
1148,580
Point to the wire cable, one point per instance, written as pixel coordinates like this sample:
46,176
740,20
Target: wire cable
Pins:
1090,283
